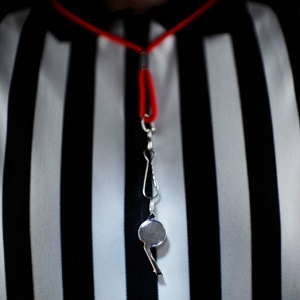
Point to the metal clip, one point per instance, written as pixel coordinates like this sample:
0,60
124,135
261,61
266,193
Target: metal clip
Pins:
149,155
144,60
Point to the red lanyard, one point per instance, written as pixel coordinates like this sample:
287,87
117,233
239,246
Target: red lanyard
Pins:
146,84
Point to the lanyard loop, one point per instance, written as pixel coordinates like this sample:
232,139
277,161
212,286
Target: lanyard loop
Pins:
151,232
146,88
146,84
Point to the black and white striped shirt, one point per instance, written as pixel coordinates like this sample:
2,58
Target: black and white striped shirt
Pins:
227,161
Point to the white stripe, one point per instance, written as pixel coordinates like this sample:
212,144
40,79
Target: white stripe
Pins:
231,168
108,173
287,141
172,256
10,29
45,172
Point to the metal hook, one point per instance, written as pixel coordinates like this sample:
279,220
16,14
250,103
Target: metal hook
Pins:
149,156
147,127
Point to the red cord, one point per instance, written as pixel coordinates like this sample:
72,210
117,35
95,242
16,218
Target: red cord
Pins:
92,28
200,11
145,77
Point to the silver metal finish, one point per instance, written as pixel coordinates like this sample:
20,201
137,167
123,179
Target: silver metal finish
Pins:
152,233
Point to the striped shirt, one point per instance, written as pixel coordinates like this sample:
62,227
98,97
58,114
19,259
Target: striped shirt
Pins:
227,146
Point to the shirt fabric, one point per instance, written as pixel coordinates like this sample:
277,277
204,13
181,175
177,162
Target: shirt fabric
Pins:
227,154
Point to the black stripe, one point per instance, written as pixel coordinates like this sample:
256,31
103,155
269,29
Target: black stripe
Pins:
199,169
8,7
76,172
16,185
141,281
264,203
